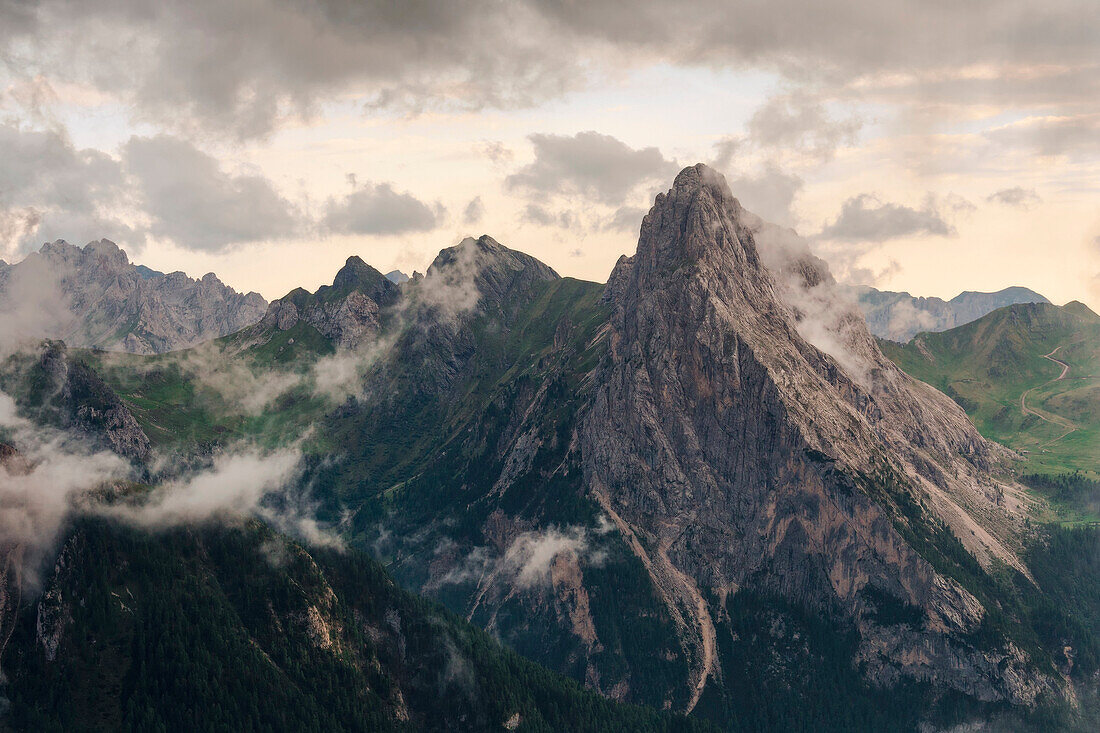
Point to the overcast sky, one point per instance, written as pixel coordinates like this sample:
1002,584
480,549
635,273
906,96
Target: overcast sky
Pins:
922,145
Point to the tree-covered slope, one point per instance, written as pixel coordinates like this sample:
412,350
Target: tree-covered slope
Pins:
218,627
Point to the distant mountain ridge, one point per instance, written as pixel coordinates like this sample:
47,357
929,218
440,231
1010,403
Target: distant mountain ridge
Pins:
899,316
1005,370
94,296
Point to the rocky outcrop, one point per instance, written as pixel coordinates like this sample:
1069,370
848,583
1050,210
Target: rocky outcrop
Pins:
347,312
741,454
94,296
70,395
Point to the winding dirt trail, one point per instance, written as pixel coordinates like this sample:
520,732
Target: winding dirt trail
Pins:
1062,422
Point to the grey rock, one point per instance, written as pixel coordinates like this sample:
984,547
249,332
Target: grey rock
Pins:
94,296
348,312
735,448
901,316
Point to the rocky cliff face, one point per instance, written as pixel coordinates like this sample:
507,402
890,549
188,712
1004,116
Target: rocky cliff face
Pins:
94,296
611,479
734,453
53,389
347,312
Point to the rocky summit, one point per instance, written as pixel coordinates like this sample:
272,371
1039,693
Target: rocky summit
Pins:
737,454
94,296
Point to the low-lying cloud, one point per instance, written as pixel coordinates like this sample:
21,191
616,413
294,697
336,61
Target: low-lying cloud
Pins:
55,476
527,561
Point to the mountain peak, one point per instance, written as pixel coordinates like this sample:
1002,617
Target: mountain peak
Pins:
357,274
479,257
106,249
698,218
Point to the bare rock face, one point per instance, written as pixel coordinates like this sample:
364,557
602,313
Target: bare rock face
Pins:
347,312
74,397
94,296
733,452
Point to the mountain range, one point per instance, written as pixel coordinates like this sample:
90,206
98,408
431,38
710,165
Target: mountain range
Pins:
94,296
901,316
702,488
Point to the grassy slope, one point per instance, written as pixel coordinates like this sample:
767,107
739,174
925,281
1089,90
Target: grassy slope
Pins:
175,399
987,365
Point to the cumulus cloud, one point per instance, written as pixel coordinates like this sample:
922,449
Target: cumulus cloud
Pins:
865,218
497,152
588,165
769,193
1017,197
191,200
625,219
543,217
799,123
376,208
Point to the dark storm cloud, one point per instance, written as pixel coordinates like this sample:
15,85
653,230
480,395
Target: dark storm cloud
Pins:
1018,197
239,66
378,209
191,200
588,164
49,190
865,218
